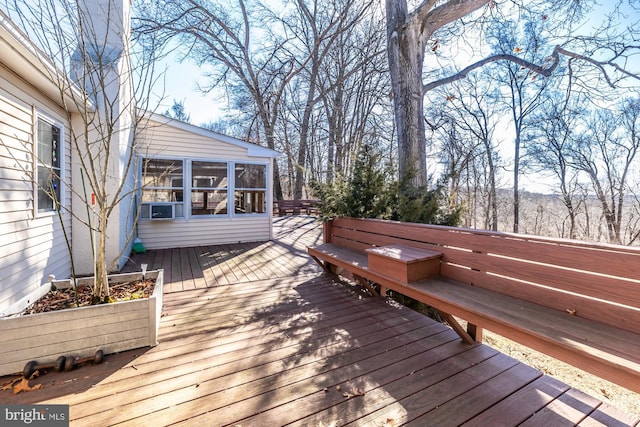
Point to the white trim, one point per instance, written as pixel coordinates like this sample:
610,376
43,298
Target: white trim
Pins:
47,118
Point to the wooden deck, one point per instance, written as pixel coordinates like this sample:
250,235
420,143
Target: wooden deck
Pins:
255,335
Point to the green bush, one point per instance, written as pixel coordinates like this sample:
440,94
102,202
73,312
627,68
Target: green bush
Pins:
373,192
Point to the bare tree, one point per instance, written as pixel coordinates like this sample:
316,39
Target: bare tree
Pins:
225,35
524,90
551,148
351,83
411,33
94,67
321,27
606,152
475,113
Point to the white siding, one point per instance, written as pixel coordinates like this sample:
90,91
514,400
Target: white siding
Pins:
203,232
167,141
164,140
32,246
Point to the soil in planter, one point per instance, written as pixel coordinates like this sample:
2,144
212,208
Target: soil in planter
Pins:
61,299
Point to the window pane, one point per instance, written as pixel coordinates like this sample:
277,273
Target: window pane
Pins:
208,202
162,173
47,179
48,171
209,174
161,196
251,176
250,202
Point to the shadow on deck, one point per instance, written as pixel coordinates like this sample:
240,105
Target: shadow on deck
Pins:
255,335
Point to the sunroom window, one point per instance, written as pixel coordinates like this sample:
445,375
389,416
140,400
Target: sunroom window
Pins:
250,188
162,183
48,165
209,188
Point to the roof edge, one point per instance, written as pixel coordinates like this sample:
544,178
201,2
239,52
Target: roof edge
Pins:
253,150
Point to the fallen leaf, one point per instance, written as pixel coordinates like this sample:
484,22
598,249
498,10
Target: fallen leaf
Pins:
571,311
24,386
391,422
605,393
9,385
338,388
357,392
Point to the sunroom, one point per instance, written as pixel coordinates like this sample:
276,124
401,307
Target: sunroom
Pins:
202,188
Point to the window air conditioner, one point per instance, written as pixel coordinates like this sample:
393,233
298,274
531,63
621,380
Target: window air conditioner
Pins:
162,211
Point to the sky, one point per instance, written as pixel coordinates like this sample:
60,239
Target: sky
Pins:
180,84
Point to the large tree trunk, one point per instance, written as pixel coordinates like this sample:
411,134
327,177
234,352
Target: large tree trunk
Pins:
405,48
407,36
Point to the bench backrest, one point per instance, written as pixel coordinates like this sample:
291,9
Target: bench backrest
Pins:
596,281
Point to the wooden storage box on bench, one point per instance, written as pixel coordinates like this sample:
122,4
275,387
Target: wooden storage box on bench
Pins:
575,301
404,263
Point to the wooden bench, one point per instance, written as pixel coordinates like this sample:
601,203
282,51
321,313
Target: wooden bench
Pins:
575,301
296,207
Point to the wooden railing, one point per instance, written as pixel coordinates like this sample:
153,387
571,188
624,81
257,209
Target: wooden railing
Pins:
576,301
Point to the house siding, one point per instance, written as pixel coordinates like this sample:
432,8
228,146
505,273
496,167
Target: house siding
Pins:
33,246
163,140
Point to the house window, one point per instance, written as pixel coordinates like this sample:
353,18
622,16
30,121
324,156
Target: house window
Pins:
209,188
182,188
250,188
162,182
48,165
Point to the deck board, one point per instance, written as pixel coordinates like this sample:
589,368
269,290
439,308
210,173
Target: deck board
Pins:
255,334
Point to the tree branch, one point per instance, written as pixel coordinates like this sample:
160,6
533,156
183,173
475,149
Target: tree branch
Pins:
545,69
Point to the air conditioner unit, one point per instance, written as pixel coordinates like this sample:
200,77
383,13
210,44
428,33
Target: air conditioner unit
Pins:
162,211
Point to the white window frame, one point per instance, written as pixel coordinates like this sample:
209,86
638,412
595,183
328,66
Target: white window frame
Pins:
188,190
231,187
145,205
48,119
232,171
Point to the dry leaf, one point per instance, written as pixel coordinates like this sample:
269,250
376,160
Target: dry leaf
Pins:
338,388
24,386
571,311
354,392
9,385
357,392
605,393
391,422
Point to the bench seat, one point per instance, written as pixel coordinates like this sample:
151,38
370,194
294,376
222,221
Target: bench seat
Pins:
605,350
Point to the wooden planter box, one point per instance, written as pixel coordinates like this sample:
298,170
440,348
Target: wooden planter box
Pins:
81,331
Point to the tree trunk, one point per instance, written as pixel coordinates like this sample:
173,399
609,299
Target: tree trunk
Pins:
516,183
405,48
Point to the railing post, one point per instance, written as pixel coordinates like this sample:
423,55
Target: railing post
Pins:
326,230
